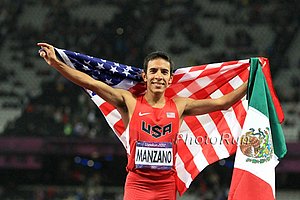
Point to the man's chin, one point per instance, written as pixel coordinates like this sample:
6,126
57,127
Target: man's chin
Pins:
158,91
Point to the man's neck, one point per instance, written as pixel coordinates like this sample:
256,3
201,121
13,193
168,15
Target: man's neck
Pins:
155,100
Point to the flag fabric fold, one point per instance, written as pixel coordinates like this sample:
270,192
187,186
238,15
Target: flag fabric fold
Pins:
202,140
260,144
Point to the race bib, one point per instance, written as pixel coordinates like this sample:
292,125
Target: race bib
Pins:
154,155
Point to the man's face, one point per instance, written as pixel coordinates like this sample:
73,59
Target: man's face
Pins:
158,76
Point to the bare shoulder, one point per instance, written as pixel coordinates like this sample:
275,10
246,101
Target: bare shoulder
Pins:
182,100
129,99
126,94
181,103
125,105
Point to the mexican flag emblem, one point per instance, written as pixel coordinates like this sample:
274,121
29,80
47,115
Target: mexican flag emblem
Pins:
257,145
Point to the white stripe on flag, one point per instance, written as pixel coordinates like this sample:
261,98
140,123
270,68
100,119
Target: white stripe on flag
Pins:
97,100
201,83
236,82
190,75
234,66
230,118
125,84
235,128
194,148
125,140
182,174
184,93
65,57
214,135
114,116
214,65
216,94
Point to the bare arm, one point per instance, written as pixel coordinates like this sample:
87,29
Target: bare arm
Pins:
189,106
111,95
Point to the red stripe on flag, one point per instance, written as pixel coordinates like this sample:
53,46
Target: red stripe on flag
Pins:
106,108
119,127
247,186
224,131
244,75
177,77
180,186
175,88
187,159
138,89
240,112
216,83
199,132
196,68
234,62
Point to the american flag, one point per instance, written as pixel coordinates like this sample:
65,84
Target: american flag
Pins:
203,139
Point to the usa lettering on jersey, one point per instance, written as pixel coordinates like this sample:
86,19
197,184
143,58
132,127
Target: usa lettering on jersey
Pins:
156,131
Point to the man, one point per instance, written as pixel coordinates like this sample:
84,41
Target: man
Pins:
152,121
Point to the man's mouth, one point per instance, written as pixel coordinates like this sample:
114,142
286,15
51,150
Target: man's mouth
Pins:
158,83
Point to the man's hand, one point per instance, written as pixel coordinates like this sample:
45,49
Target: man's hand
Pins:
48,53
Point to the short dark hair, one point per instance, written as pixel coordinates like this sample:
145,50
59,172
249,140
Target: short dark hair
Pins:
155,55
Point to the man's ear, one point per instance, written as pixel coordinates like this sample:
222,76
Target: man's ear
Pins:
144,76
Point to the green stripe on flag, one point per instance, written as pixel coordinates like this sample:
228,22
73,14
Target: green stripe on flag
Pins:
259,97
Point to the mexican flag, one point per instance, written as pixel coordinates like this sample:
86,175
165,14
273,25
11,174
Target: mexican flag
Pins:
260,144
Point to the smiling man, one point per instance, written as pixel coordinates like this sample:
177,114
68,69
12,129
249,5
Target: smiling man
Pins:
152,122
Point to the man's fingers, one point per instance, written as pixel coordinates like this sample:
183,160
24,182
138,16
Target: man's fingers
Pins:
41,49
42,53
45,45
46,49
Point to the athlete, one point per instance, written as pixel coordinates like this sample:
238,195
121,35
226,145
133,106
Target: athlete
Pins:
153,132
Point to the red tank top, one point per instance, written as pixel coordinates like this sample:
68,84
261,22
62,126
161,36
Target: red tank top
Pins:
157,125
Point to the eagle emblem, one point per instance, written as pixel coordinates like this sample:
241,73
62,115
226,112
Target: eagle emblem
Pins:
257,145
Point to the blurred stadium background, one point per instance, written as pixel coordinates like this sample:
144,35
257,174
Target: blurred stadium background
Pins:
55,144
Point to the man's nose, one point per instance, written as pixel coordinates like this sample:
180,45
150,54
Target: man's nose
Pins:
158,75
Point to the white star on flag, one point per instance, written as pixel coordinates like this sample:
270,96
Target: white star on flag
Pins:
126,72
113,69
116,64
128,68
99,66
86,68
108,81
87,62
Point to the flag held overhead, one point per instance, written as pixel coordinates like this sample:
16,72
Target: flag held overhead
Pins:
203,81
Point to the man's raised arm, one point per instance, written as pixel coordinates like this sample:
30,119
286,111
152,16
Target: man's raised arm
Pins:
203,106
109,94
